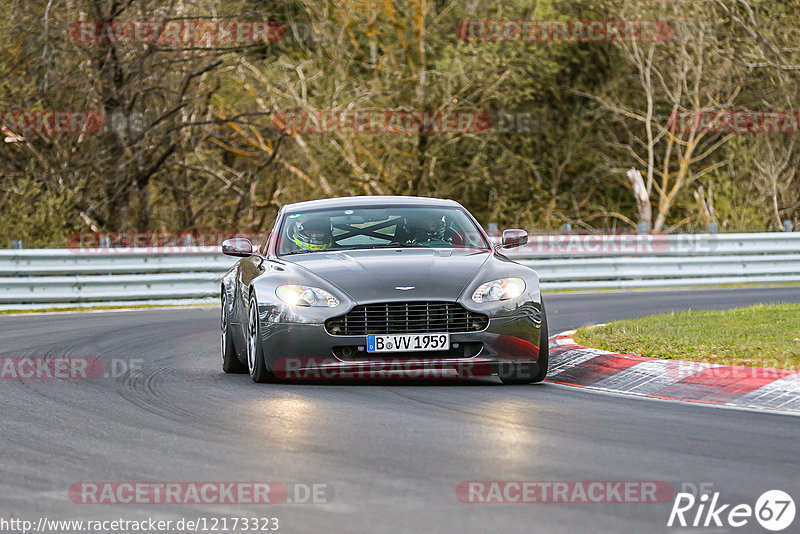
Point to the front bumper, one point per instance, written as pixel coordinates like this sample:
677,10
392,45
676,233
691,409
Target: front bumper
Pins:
307,350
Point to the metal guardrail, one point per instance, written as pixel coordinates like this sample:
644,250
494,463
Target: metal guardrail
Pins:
91,277
57,278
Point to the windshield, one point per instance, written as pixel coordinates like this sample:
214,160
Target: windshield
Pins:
359,228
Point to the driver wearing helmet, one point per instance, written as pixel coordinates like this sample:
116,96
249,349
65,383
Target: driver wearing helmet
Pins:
428,228
314,233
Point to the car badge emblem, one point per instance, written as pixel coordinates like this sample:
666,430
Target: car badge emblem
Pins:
404,288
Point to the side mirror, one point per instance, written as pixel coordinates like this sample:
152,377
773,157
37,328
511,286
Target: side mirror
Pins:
237,246
514,238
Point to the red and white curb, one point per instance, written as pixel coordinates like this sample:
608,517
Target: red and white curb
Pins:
744,387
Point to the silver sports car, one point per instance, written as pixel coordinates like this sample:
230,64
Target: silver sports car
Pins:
381,287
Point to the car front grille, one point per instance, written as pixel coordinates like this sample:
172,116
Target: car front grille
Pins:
406,317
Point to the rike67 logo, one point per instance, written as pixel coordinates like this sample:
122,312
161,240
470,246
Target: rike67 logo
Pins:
774,510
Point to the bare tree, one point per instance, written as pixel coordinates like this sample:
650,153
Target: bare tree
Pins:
689,73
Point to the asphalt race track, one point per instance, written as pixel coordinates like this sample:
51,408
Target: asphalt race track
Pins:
394,452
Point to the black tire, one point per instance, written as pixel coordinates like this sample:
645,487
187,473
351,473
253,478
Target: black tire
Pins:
230,362
256,365
544,350
529,373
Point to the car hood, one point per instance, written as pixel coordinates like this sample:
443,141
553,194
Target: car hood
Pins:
373,275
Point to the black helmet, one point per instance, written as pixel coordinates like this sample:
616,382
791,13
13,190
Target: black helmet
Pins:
314,233
429,226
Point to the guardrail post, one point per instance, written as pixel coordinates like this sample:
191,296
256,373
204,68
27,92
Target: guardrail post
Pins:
566,228
712,228
17,245
643,228
787,225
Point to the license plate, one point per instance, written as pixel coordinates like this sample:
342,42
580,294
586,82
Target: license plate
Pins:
408,342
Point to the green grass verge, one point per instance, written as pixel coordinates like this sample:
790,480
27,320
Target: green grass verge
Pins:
759,336
675,288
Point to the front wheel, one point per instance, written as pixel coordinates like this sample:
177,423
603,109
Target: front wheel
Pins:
255,346
530,373
230,362
544,350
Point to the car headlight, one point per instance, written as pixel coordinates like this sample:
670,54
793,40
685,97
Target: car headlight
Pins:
306,296
503,289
